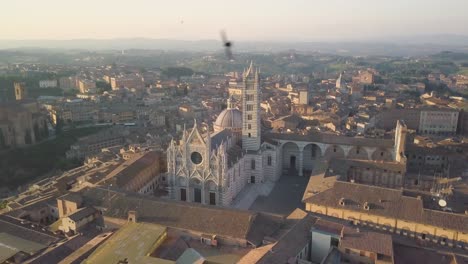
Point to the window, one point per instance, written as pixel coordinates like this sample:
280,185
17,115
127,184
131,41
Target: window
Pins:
249,97
269,160
249,126
250,108
249,117
334,242
250,135
252,164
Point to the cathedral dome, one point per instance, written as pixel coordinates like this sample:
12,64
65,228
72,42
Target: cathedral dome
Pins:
229,118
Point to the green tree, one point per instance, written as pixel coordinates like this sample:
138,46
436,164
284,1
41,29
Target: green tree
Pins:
27,137
37,133
177,72
45,130
2,140
3,204
59,126
102,86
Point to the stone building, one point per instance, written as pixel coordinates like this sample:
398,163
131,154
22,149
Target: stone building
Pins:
21,123
20,91
389,210
140,174
213,169
427,121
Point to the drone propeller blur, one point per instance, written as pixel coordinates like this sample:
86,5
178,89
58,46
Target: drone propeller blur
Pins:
227,45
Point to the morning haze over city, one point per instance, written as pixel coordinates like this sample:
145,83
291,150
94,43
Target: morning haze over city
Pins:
206,131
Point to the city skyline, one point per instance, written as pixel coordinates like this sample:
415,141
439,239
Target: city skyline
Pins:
244,21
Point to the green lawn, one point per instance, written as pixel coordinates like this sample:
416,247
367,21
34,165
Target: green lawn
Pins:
20,166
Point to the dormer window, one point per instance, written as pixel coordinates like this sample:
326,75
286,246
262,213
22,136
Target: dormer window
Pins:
342,202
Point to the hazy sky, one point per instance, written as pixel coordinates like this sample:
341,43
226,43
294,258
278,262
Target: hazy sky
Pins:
286,20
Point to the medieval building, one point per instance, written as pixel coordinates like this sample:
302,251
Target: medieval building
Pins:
214,168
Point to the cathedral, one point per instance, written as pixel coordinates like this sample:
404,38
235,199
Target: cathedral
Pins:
214,168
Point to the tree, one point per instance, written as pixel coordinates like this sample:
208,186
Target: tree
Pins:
102,86
28,137
45,130
2,140
59,126
177,72
37,133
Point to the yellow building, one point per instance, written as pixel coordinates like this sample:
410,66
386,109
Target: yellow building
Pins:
388,210
20,91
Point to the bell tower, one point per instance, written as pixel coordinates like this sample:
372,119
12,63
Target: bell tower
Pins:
251,134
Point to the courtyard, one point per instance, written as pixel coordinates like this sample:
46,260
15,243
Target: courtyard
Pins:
285,196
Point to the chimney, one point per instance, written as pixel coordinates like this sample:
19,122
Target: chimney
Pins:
132,216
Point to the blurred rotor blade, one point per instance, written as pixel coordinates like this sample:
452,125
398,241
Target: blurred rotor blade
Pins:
229,53
223,36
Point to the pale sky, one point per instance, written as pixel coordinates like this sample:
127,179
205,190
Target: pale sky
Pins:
282,20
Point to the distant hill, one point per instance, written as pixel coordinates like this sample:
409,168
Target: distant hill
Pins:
391,46
450,55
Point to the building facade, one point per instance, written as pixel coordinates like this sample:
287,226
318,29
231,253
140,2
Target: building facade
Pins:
47,83
213,169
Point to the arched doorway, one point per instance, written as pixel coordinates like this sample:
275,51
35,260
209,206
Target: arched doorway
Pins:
290,159
311,154
196,190
382,154
182,188
358,153
210,192
334,151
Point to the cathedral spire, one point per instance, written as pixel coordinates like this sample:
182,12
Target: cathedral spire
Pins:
249,70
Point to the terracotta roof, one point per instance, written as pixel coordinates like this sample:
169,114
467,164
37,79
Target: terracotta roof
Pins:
213,220
368,241
255,255
407,254
289,245
129,173
328,227
82,213
386,202
27,231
